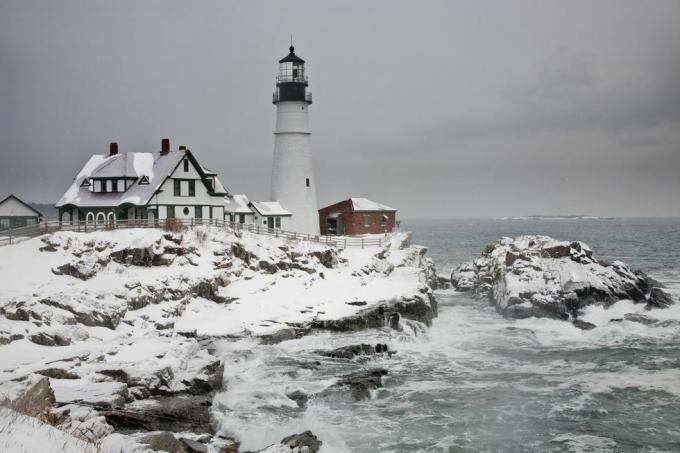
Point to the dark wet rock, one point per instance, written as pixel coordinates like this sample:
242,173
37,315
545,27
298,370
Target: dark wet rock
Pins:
58,373
361,383
193,446
299,397
45,339
583,325
352,351
18,314
658,298
210,381
116,375
267,267
143,256
78,270
415,308
357,303
328,258
306,439
7,339
240,252
287,333
93,318
635,317
208,289
37,396
162,441
166,413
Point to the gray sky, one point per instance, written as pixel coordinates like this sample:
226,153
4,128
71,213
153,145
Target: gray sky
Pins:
441,109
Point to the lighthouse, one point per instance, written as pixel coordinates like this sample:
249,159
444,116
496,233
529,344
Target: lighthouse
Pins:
293,184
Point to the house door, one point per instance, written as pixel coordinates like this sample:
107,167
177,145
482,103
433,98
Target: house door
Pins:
270,223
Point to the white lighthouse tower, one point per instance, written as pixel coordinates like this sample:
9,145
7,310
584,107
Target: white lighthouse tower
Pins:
293,182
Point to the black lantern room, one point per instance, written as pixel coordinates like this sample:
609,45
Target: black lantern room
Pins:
291,83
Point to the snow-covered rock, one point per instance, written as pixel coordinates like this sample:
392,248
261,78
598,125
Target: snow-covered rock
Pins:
541,276
119,325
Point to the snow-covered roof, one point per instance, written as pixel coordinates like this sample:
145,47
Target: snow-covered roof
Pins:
364,204
155,166
219,187
237,204
13,210
126,165
266,208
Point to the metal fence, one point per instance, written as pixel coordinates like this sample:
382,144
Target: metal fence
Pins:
19,234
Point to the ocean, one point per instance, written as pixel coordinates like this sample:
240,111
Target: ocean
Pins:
477,382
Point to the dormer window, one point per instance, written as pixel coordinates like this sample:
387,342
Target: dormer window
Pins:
143,180
85,183
186,164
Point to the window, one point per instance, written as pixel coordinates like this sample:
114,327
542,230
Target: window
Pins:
102,183
367,220
307,182
89,218
177,187
383,220
4,224
114,185
186,165
278,222
211,212
241,218
31,221
232,217
198,212
192,188
185,210
144,180
171,212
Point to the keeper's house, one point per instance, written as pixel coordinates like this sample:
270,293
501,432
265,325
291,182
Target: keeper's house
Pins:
357,216
14,213
140,186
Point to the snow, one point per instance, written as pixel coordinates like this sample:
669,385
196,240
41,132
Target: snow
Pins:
148,342
266,208
238,204
364,204
22,434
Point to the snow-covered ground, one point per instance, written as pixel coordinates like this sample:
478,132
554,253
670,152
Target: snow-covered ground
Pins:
116,318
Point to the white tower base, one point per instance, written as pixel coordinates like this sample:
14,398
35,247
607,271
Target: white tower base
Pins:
293,181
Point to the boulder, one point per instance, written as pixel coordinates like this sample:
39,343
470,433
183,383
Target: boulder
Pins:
193,446
303,440
361,383
540,276
636,317
58,373
35,396
45,339
658,298
299,397
351,351
162,441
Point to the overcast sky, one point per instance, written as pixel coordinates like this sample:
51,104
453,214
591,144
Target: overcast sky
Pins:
440,109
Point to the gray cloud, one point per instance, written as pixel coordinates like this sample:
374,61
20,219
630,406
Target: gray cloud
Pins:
443,109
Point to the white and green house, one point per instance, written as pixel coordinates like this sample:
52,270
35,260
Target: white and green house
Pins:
142,186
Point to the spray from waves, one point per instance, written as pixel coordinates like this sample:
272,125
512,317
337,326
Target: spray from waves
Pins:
474,380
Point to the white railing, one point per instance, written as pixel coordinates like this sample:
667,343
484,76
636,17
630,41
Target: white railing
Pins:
18,234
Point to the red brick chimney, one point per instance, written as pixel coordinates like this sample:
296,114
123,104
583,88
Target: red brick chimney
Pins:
113,149
165,146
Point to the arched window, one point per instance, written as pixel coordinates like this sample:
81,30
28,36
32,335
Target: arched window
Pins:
111,218
89,218
101,218
65,217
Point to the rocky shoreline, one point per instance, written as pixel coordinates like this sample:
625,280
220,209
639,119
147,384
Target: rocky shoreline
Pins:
132,315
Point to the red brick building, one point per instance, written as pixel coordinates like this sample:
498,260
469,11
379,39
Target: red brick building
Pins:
357,216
